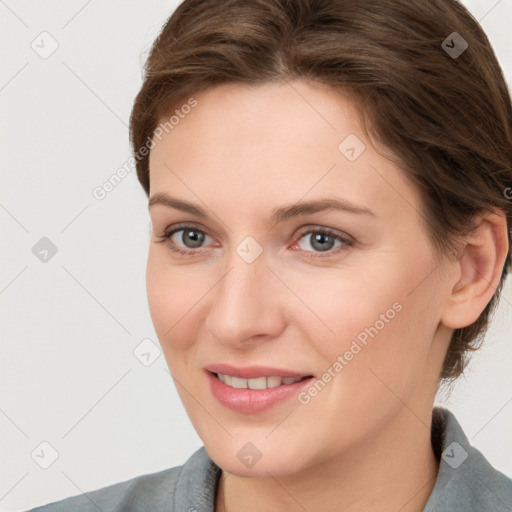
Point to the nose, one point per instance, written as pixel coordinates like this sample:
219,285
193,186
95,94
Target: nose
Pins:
247,303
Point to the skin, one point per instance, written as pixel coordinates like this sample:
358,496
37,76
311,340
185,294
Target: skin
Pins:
363,442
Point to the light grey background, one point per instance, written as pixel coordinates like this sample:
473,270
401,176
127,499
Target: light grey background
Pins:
69,325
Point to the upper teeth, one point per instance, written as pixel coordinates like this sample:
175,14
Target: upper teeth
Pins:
258,383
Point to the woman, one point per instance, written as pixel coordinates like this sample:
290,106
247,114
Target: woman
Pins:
329,186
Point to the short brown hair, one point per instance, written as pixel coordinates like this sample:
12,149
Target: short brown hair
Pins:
446,118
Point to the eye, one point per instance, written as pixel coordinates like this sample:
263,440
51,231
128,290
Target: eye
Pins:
323,240
187,239
191,237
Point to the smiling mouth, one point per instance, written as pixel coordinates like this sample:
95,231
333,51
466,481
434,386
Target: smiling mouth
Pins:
259,382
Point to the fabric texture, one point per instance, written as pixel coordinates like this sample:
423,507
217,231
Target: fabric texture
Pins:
466,482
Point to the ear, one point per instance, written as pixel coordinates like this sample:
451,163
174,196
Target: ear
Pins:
480,265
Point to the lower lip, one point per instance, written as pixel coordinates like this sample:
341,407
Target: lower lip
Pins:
253,400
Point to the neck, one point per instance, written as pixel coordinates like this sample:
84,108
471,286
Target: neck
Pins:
395,471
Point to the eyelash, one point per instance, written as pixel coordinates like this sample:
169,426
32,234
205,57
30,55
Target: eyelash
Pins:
347,242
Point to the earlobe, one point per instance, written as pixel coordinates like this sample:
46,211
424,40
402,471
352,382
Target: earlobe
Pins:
480,267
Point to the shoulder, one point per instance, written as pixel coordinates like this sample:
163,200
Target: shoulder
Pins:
163,491
466,480
152,491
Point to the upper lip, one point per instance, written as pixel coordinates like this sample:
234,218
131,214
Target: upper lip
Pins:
253,372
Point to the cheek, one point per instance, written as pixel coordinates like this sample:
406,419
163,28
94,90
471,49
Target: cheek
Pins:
348,303
375,320
170,299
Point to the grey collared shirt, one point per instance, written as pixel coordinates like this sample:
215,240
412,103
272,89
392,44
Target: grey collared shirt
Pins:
466,482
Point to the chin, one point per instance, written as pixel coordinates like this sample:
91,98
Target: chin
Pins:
237,461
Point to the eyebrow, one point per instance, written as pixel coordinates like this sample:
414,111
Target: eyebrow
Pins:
278,214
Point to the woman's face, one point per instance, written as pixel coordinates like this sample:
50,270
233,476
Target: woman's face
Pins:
351,296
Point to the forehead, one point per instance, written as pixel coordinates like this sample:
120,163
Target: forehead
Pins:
275,143
297,112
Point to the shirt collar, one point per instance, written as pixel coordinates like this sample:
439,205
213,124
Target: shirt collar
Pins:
466,481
